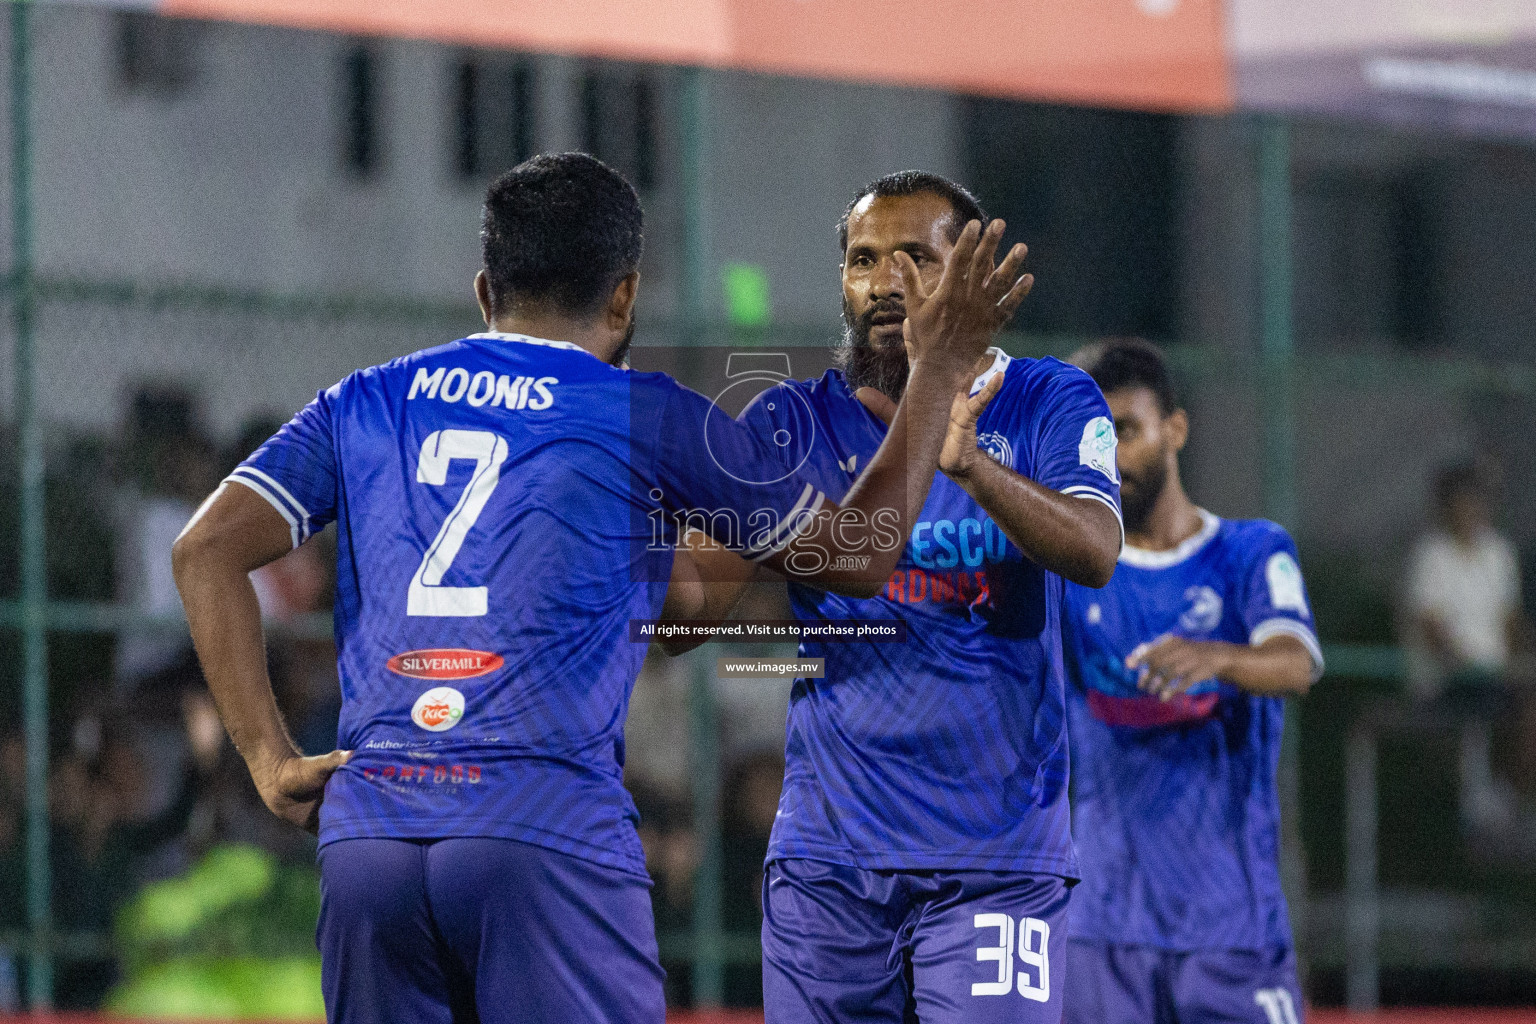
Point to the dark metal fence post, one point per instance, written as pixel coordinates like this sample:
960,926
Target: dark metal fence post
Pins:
1277,346
34,563
708,929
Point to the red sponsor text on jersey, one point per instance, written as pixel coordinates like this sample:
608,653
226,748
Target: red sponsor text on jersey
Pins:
419,773
912,586
444,663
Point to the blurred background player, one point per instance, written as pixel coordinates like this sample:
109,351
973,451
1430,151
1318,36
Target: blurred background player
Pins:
921,856
478,853
1179,666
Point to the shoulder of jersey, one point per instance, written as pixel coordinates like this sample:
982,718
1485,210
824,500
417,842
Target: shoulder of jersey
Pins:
1048,370
830,385
405,362
459,347
828,390
1025,377
1252,530
1243,540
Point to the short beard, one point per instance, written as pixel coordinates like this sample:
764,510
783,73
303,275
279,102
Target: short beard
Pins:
1136,503
885,368
621,357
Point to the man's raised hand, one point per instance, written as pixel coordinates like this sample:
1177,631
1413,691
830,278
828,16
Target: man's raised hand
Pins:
973,298
960,452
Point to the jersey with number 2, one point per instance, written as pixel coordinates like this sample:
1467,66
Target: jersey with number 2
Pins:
495,500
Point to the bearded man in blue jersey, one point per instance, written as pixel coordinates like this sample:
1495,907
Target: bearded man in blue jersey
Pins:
494,502
921,858
1179,668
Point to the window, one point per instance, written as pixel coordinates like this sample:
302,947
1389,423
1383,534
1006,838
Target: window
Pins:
618,112
155,55
360,106
493,115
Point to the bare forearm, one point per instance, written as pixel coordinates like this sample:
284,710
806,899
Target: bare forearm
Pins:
902,472
1075,538
878,511
234,533
1279,667
707,581
225,619
1282,665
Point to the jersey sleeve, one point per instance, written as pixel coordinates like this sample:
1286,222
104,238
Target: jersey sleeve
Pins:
1075,442
729,478
296,470
1275,596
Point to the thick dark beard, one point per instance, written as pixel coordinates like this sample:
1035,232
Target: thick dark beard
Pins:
885,369
1136,504
621,357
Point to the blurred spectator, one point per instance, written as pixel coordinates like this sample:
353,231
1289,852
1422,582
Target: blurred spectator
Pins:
672,859
753,711
1464,622
751,801
303,667
656,738
103,834
173,467
1463,589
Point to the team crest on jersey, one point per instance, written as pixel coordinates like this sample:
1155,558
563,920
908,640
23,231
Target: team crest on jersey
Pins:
1204,611
444,663
1097,448
439,709
997,446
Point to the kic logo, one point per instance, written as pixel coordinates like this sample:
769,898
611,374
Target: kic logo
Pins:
439,709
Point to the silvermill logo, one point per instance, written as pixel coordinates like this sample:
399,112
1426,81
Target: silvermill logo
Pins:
444,663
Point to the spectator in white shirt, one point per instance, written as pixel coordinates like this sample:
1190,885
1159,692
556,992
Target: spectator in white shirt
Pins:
1464,623
1463,589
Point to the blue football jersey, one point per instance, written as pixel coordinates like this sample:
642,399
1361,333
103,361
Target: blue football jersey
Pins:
1176,805
948,750
502,507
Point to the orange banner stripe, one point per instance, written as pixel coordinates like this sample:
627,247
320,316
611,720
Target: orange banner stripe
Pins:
1156,54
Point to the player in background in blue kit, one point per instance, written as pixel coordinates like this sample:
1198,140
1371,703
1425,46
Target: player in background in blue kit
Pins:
493,500
922,854
1180,666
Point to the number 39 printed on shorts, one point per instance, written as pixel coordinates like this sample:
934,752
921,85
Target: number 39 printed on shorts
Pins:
1032,975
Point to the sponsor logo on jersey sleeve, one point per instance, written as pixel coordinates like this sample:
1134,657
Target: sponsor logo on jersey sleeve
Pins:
1097,448
1284,578
439,709
444,663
